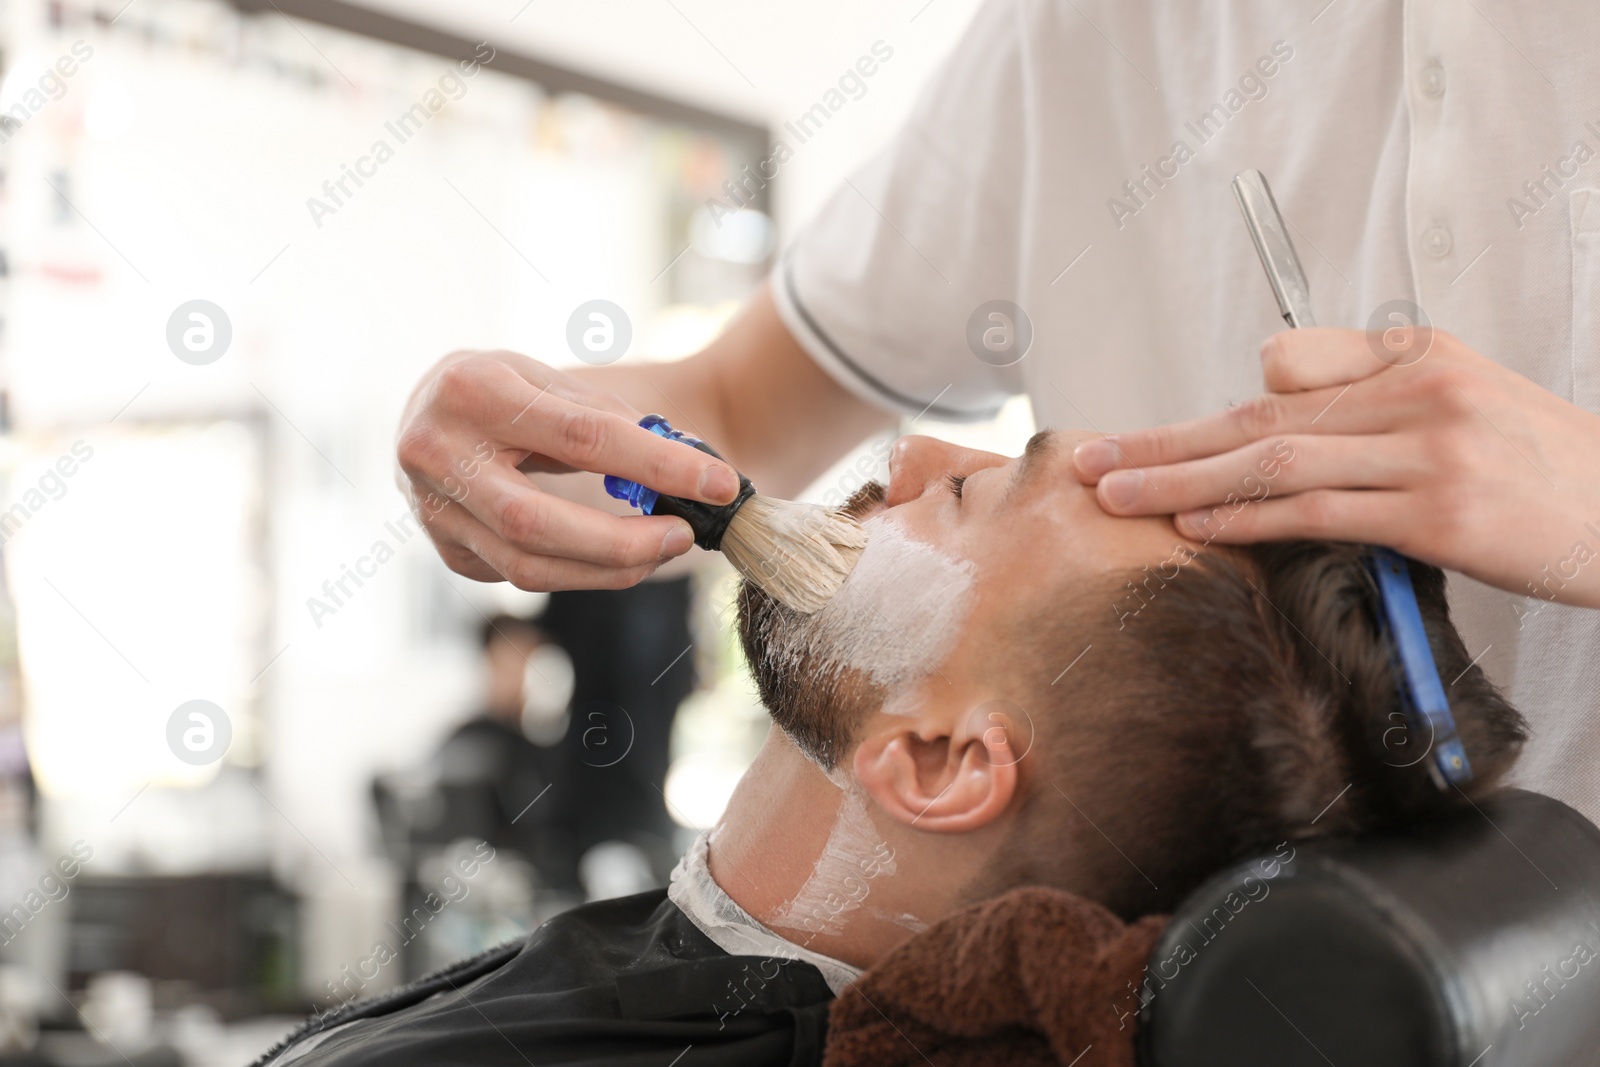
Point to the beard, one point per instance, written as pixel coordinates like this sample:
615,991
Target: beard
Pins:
865,500
810,694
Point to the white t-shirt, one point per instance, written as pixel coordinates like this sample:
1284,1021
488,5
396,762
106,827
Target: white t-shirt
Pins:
1075,160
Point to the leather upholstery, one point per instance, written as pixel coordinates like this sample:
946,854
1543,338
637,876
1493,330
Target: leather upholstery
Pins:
1472,941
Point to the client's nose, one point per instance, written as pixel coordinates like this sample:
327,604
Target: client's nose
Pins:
917,463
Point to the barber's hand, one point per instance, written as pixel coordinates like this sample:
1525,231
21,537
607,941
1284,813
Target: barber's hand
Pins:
1434,450
479,420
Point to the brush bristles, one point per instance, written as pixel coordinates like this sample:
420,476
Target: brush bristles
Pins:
799,554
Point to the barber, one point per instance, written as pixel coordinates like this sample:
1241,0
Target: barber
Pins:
1054,220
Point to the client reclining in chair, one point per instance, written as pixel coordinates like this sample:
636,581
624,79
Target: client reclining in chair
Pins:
1012,689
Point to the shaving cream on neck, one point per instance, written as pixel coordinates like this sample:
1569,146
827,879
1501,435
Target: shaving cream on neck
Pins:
840,882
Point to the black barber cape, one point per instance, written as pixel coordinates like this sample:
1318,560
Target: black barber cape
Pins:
620,982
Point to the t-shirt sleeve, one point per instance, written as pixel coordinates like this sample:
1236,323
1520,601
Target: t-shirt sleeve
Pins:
895,284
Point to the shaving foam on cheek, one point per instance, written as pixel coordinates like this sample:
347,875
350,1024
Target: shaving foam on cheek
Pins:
841,880
906,701
894,619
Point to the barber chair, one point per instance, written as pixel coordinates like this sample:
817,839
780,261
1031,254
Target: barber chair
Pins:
1470,942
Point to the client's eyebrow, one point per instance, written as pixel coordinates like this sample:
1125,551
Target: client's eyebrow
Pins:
1039,448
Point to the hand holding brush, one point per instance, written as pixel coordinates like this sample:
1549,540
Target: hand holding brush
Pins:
799,554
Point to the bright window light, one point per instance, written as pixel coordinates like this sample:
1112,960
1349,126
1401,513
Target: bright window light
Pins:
698,787
135,593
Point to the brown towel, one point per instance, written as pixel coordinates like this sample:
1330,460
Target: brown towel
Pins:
1034,978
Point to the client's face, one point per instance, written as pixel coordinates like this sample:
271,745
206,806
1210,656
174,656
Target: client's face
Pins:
1023,524
962,544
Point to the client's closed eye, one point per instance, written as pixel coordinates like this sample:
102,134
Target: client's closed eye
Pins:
955,482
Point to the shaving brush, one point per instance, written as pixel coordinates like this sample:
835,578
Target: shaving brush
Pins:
798,554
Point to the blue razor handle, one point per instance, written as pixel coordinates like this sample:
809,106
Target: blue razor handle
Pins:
709,521
1416,674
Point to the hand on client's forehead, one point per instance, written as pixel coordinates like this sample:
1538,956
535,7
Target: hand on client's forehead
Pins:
1008,513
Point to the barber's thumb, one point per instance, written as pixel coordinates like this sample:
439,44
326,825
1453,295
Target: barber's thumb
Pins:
1316,357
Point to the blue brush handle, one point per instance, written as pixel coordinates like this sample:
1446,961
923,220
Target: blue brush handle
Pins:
708,521
634,493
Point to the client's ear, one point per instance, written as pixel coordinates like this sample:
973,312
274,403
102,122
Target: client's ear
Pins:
945,771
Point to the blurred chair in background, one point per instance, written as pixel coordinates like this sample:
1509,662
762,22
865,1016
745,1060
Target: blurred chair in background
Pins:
494,765
568,794
633,665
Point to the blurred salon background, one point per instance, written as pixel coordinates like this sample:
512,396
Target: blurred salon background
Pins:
260,751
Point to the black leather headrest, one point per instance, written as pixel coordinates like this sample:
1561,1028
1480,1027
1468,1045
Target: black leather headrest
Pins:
1470,941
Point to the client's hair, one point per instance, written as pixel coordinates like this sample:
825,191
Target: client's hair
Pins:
1250,700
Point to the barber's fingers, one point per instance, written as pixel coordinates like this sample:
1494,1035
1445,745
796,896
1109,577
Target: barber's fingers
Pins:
1364,515
471,549
1275,466
1295,361
441,526
1364,407
533,521
536,411
588,439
